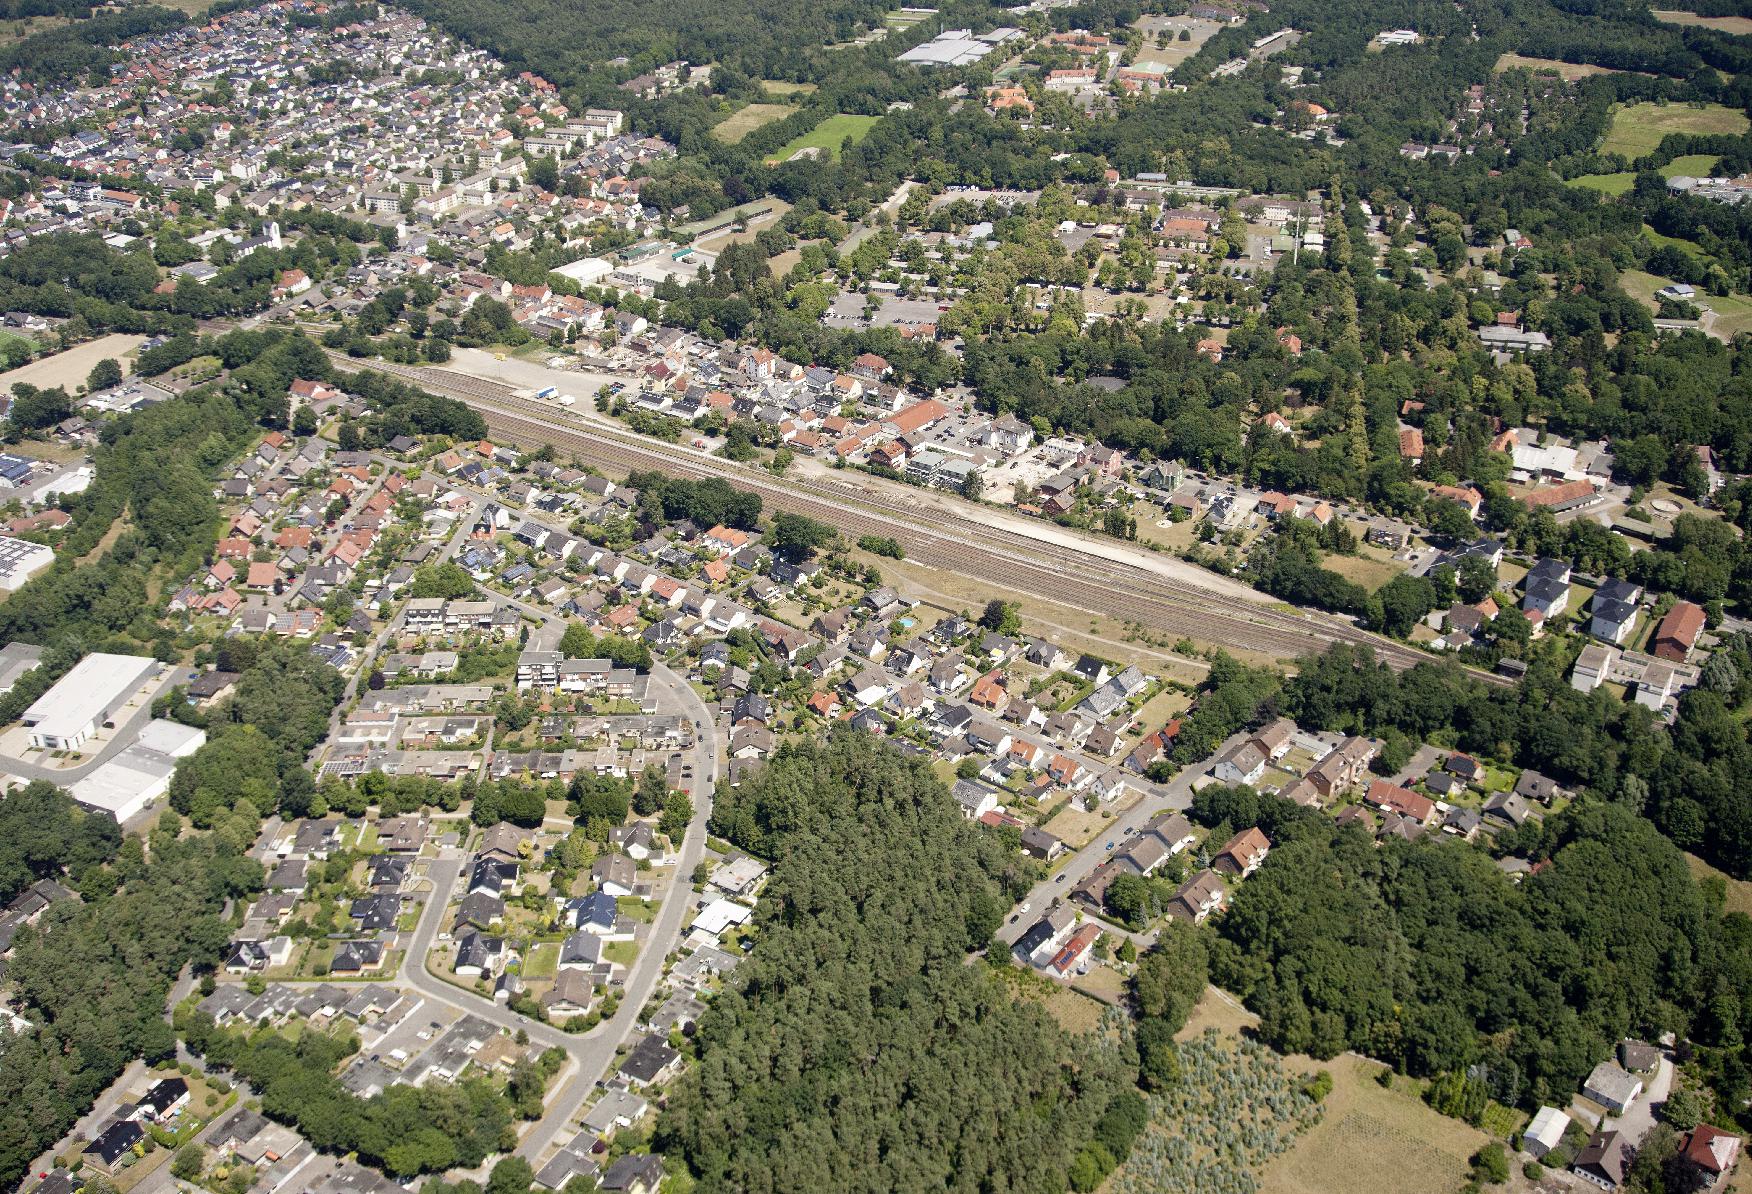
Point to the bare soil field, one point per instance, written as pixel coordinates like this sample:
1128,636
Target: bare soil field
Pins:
71,368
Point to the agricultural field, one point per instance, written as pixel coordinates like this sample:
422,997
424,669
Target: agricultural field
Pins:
1638,128
1736,26
827,137
746,119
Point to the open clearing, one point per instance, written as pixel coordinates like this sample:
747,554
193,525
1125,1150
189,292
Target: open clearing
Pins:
1370,567
1175,51
1733,312
1386,1141
1372,1138
780,87
1606,184
744,121
1569,71
71,368
1739,891
1697,165
1637,129
1737,26
829,136
1074,1012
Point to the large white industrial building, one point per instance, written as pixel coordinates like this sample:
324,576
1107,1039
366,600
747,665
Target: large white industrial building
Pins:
83,700
125,785
20,560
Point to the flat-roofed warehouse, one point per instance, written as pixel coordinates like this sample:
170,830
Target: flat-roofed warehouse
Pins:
85,699
20,560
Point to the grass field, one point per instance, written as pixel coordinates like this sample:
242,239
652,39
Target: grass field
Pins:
829,135
1175,51
1386,1141
1697,165
1606,184
780,87
1076,829
745,120
1372,1138
1570,71
1733,312
542,961
1737,26
1638,128
1370,567
1676,242
1739,891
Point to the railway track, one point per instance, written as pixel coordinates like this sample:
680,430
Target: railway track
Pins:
935,536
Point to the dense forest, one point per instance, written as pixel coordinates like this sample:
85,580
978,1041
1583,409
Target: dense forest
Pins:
43,835
1425,955
856,1049
94,974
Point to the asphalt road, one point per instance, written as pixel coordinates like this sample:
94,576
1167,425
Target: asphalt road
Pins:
1175,795
592,1052
460,536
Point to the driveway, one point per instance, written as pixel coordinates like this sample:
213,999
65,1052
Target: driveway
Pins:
1640,1119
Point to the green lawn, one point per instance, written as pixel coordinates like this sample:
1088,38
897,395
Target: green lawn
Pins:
542,961
829,135
1676,242
1638,128
633,908
1606,184
621,953
1697,165
1733,311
